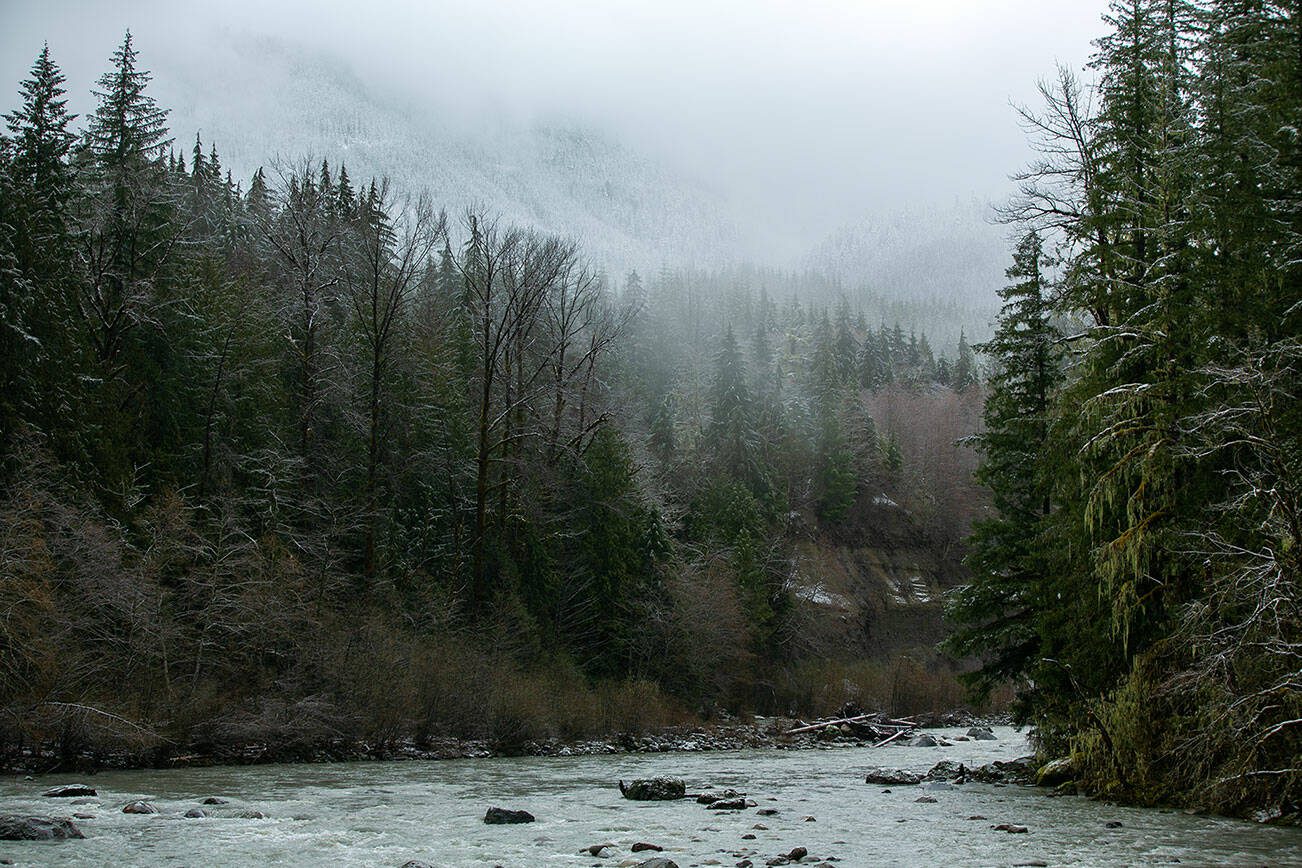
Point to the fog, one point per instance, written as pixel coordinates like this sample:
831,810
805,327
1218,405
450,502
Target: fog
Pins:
806,116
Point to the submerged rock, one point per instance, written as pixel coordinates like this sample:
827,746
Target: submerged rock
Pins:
654,789
38,829
1010,828
891,777
596,849
657,862
502,816
68,791
252,815
415,863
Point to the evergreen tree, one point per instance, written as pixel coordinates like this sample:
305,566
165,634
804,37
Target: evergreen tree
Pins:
127,216
965,368
36,185
731,436
42,141
997,611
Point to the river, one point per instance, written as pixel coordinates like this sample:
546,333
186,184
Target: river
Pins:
386,813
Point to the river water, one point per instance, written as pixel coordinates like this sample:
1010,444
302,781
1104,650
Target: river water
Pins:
385,813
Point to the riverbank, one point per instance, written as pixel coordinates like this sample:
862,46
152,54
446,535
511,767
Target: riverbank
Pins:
719,735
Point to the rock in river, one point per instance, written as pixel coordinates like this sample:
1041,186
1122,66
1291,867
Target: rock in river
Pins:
502,816
735,804
139,806
982,733
67,791
1016,771
654,789
1056,772
37,829
948,770
657,862
711,798
891,777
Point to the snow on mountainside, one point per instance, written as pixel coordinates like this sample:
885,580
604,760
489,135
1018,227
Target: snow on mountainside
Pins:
952,253
260,100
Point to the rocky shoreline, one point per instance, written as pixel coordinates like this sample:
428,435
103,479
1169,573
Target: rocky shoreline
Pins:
758,733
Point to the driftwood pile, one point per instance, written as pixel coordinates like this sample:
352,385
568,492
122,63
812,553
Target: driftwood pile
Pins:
876,727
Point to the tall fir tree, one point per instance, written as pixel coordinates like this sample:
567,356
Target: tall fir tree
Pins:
996,614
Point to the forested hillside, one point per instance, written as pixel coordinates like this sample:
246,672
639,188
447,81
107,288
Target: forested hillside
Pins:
302,458
1143,440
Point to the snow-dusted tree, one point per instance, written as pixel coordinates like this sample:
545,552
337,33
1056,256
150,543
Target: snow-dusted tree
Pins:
998,611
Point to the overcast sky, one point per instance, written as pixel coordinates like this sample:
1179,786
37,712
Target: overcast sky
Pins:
818,110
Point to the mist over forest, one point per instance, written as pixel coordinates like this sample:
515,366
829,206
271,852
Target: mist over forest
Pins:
371,388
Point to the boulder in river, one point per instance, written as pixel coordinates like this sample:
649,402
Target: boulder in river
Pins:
68,791
503,817
891,777
640,846
1010,828
924,740
657,862
195,814
415,863
252,815
947,770
982,733
1056,772
710,798
38,829
737,803
654,789
596,849
139,806
1018,771
213,800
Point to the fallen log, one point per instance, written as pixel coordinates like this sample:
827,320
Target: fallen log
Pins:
822,724
892,738
874,721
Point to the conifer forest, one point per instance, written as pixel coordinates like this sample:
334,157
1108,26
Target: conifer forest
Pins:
308,456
